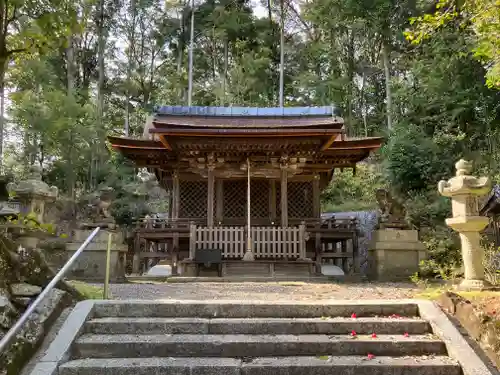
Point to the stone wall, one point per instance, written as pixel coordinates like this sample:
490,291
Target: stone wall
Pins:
482,327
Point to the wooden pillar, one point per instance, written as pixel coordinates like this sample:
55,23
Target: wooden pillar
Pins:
316,197
284,197
272,200
175,196
176,201
219,193
210,197
136,260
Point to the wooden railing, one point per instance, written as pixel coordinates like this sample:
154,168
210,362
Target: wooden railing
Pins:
267,242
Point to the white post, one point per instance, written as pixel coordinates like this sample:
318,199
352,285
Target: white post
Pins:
248,254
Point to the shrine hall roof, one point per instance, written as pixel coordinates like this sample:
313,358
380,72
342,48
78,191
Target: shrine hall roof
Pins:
205,118
176,133
247,111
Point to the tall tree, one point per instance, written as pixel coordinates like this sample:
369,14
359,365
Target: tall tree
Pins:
26,26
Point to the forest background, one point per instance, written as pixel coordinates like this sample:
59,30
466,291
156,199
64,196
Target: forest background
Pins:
423,74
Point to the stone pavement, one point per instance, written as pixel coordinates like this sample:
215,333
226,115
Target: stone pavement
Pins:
265,291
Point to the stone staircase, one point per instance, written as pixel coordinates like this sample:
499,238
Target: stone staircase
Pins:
259,338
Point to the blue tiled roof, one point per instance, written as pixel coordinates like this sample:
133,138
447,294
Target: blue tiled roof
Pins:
247,111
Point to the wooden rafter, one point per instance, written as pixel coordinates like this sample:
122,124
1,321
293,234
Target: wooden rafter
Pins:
164,142
328,143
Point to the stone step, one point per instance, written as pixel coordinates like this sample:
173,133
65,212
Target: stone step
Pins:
239,346
353,365
277,326
242,309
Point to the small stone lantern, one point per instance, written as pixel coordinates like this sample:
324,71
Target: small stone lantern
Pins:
33,193
465,190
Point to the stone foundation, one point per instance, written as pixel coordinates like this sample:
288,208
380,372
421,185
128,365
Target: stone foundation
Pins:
394,254
91,264
258,268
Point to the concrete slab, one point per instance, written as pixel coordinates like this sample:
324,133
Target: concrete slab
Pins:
291,326
255,309
352,365
150,366
45,368
238,346
59,349
456,344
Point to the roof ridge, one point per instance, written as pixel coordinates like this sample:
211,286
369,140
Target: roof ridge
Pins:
209,111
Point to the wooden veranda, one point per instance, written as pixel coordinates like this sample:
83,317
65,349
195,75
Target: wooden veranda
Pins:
245,186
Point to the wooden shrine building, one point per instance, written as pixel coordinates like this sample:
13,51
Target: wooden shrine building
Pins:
245,186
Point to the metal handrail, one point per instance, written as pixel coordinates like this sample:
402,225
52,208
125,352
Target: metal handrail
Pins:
4,343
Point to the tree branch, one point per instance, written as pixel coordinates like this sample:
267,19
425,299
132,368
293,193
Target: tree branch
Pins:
18,50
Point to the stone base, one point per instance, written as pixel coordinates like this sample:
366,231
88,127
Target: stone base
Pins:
394,254
474,285
91,264
258,268
248,257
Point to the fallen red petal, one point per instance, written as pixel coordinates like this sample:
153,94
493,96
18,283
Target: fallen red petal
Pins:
353,315
374,335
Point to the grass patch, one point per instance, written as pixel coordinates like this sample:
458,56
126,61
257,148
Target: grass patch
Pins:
88,291
433,292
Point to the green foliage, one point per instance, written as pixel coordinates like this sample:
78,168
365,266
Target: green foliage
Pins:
492,263
31,222
426,209
480,17
348,192
444,257
87,291
414,161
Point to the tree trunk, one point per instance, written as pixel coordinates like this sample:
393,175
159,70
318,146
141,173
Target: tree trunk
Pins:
131,42
226,64
363,103
282,53
387,72
3,67
70,69
101,46
350,76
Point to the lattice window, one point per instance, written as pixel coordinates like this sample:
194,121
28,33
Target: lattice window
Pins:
300,199
235,198
259,198
193,199
235,201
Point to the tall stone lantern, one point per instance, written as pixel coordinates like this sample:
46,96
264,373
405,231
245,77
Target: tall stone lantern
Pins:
464,191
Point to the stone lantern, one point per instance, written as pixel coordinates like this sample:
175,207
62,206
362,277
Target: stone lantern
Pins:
464,191
33,194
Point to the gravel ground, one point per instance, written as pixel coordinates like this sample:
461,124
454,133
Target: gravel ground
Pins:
277,291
